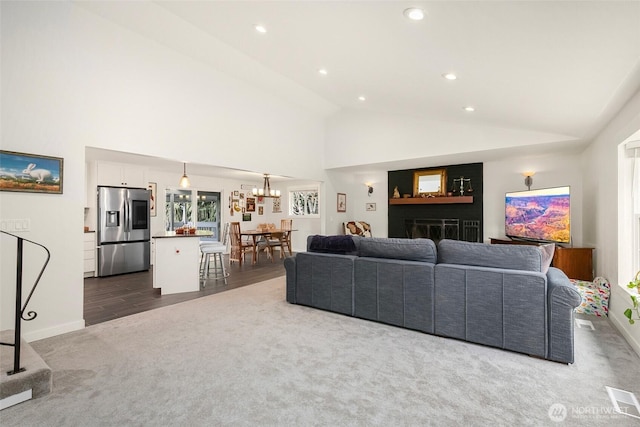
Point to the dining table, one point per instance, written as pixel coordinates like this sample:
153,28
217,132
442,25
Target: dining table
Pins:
256,234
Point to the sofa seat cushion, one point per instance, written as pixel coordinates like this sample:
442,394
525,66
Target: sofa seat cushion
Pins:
423,250
511,257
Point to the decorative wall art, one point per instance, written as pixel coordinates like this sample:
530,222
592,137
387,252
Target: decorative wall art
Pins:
260,210
276,205
235,206
30,173
251,204
153,187
342,202
246,217
260,200
370,207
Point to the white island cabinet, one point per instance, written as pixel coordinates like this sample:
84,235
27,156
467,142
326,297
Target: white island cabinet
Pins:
176,263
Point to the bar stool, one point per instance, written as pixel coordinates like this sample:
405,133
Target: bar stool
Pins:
217,250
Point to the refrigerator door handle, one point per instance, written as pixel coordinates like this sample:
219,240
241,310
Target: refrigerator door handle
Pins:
127,217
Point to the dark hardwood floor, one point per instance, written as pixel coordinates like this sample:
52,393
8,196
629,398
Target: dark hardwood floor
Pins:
108,298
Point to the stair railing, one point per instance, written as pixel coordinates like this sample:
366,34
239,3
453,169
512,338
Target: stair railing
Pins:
20,308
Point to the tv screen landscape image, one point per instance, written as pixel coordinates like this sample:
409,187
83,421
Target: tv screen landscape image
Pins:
540,215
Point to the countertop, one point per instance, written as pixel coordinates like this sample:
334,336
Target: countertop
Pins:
198,233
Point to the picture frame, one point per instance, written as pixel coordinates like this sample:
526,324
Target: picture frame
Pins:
153,187
370,207
246,217
251,204
342,202
31,173
235,206
276,205
236,193
260,210
260,200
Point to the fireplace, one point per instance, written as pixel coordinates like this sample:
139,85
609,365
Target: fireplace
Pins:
437,218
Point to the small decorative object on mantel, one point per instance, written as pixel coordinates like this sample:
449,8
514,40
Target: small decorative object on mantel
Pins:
406,196
465,186
396,193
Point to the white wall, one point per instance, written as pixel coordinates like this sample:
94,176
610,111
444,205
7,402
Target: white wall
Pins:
552,170
71,79
362,137
601,214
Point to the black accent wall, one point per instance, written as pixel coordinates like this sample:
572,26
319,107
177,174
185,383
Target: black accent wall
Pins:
404,180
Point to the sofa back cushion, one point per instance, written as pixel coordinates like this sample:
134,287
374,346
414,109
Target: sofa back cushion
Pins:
511,257
402,249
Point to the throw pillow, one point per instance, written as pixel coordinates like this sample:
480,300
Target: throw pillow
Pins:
332,244
547,256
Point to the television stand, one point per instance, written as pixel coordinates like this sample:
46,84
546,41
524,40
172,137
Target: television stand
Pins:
577,263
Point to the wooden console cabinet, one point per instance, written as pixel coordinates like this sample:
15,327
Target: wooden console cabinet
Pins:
577,263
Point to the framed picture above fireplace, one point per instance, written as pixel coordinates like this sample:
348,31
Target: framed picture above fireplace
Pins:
430,182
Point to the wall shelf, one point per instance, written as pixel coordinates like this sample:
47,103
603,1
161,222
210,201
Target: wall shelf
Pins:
431,200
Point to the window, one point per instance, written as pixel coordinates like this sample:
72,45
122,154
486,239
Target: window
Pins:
209,213
304,202
635,195
177,208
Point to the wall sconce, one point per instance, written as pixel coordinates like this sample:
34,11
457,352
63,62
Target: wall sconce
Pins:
528,179
184,181
369,189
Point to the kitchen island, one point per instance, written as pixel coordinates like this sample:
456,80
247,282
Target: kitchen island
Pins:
176,261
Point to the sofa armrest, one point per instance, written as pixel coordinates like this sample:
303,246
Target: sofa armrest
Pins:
290,268
562,300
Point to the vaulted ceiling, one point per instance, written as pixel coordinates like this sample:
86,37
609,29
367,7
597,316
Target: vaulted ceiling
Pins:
560,67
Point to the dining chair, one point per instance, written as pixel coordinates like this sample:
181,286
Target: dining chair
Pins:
281,240
238,247
285,239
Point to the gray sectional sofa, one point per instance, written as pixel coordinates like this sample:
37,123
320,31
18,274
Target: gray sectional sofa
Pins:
503,296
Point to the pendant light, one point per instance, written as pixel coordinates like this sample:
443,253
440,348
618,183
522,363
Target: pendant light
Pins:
266,190
184,181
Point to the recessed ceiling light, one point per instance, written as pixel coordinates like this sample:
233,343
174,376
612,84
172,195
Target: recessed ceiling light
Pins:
469,108
260,28
414,13
323,71
449,76
362,98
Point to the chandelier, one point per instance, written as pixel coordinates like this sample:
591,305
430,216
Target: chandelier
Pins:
266,190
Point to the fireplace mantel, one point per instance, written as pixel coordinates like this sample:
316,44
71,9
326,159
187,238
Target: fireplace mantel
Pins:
431,200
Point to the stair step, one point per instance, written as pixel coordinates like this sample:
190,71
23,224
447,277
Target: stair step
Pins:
33,382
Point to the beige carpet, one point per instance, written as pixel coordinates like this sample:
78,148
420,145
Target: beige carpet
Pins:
246,357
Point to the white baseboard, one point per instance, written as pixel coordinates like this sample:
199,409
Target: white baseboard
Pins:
15,399
53,331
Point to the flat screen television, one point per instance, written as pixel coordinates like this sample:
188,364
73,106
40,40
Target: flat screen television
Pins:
539,215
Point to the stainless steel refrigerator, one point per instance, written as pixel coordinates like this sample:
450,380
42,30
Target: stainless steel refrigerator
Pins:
123,230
